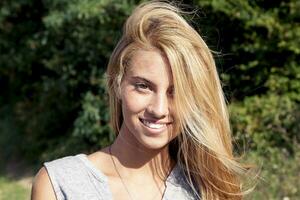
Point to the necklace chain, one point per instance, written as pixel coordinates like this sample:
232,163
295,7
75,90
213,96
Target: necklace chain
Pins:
126,188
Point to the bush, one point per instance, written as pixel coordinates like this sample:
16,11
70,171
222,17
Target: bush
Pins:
266,122
54,54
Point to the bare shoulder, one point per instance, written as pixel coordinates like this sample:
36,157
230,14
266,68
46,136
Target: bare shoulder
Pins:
101,160
99,157
42,187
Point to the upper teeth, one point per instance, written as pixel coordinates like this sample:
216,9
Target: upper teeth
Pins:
152,125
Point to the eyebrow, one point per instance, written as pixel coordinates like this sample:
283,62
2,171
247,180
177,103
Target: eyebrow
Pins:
142,79
146,80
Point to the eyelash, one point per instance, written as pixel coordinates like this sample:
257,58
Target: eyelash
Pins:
141,86
144,86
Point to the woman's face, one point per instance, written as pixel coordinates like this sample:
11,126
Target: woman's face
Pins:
147,96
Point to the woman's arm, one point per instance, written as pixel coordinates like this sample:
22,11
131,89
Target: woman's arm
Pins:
42,188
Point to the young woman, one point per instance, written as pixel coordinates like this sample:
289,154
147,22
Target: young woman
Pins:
169,113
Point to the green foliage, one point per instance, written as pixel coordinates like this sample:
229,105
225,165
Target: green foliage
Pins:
279,174
10,137
266,121
261,45
54,54
94,115
260,69
53,99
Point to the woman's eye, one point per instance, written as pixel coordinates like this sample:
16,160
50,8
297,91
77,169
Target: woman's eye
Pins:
141,86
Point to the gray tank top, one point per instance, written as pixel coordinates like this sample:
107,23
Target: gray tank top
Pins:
76,178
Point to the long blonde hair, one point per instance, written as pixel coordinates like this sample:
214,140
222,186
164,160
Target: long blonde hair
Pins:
204,146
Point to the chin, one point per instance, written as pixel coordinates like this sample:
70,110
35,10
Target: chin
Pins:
155,146
153,143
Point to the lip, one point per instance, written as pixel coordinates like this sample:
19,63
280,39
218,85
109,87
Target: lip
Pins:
155,121
156,131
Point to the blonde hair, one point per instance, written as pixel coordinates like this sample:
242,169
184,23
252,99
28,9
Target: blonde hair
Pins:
204,146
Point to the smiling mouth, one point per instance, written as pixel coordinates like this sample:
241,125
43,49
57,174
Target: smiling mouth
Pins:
153,125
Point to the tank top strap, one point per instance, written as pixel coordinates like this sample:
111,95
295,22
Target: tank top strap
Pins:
74,177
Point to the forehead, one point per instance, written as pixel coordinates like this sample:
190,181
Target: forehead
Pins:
150,64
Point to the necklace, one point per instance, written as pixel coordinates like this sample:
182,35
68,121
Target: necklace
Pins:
126,188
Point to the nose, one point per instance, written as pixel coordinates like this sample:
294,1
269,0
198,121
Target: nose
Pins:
158,106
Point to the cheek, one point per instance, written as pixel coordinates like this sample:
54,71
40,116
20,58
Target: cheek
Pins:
133,103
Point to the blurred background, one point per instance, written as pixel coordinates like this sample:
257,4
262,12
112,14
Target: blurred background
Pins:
53,100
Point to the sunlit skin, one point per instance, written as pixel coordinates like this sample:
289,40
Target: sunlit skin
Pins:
146,97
